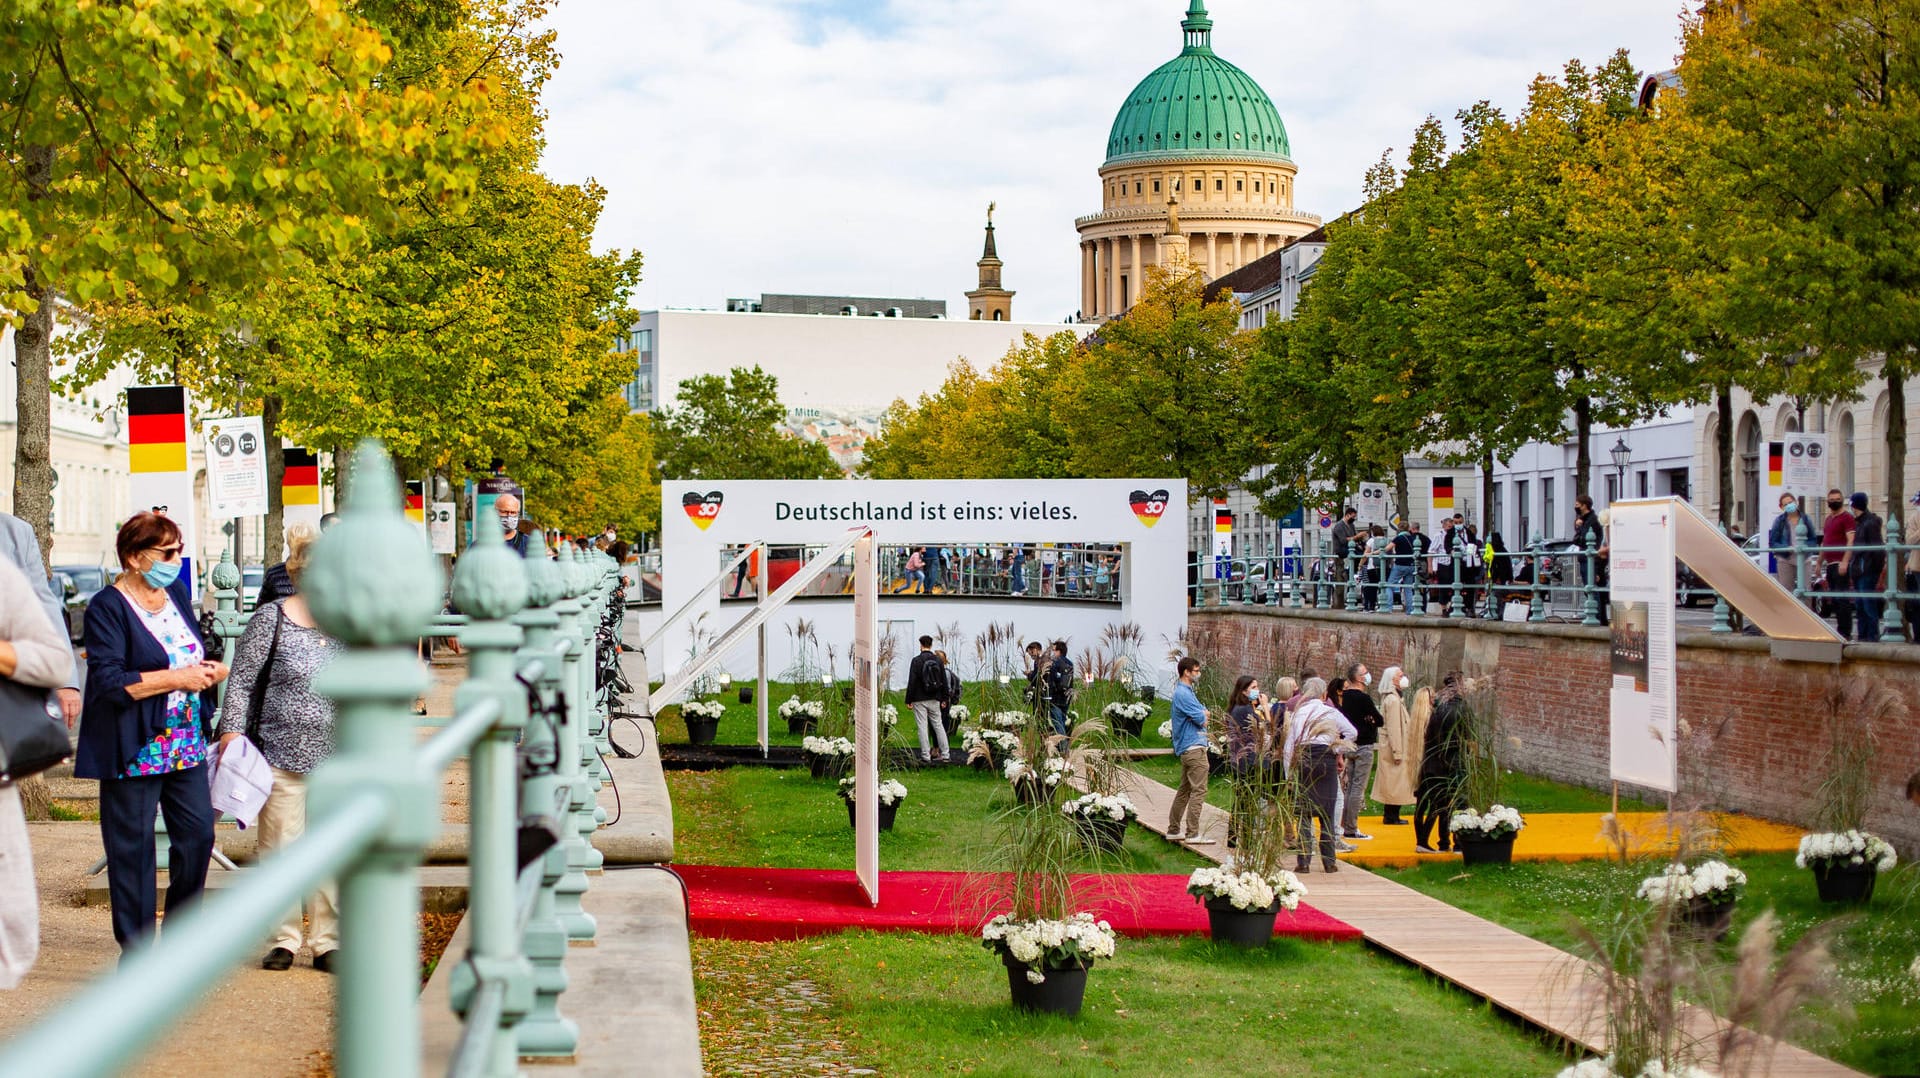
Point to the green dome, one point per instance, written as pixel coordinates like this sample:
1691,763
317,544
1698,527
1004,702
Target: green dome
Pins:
1197,105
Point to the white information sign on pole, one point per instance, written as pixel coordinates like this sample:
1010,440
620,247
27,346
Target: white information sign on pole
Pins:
866,719
440,527
236,467
1643,699
1372,504
1796,465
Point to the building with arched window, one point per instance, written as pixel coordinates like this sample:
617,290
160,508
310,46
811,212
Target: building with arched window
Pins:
1200,135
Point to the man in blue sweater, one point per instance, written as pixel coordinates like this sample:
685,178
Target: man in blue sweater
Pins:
1190,745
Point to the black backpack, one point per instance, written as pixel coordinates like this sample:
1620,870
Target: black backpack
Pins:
1060,676
933,677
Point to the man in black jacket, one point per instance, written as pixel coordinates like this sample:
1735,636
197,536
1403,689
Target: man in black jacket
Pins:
1865,558
926,688
1059,686
1358,706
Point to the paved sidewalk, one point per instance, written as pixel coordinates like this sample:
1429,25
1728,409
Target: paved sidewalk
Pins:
1539,983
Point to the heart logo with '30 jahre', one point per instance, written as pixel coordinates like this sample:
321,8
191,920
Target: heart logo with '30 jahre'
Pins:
1148,507
702,508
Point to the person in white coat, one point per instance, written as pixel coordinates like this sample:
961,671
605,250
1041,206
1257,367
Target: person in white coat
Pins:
33,653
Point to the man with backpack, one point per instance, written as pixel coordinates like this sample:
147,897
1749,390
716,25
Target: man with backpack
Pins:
926,688
1059,686
1403,568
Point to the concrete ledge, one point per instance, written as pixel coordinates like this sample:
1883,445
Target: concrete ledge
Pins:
631,992
643,832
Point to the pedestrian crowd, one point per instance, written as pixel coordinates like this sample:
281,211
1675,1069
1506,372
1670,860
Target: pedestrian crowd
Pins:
1331,745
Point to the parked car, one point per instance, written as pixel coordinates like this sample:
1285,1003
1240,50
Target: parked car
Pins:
80,584
251,577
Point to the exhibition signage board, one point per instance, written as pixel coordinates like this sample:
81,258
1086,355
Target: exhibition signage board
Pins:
1643,715
1371,505
157,460
703,519
440,527
1796,464
866,719
236,467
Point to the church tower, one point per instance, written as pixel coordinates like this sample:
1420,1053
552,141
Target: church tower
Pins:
990,302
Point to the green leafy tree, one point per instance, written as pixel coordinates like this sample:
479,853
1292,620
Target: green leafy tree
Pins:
613,482
1158,392
1808,112
1001,425
730,428
175,149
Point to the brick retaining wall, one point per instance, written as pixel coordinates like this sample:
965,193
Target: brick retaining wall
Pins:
1756,720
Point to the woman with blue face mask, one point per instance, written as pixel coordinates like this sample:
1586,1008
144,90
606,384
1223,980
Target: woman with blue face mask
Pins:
141,727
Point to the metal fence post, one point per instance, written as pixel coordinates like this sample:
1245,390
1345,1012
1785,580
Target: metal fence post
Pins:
371,585
544,1033
490,585
1353,580
1890,625
1722,613
579,924
1590,589
1456,608
1536,611
228,621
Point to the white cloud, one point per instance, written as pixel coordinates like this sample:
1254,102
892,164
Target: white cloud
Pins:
842,146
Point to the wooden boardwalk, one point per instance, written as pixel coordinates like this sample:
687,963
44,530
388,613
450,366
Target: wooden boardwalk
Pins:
1538,983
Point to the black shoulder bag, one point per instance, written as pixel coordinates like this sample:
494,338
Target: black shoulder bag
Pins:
33,736
257,699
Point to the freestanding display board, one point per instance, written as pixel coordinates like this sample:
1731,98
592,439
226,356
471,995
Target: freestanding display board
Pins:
866,719
1643,700
703,520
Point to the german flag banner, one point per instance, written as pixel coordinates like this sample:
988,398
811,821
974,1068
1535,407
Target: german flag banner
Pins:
300,487
1776,463
1222,529
416,503
157,460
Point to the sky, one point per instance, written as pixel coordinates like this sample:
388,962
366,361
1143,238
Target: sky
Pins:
850,147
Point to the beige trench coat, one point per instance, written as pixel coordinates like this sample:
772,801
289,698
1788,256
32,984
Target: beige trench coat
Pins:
1396,767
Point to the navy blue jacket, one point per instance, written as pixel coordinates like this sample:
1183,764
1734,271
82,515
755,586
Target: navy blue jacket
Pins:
114,727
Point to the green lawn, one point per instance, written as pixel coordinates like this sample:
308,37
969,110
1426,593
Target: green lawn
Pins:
739,725
1530,793
788,819
1874,948
909,1004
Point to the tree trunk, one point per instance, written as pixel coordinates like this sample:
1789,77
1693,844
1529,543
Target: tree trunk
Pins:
276,524
1723,453
342,464
1486,494
33,432
1896,374
1401,492
1583,434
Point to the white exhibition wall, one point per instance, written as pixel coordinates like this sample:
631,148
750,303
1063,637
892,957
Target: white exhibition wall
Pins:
701,518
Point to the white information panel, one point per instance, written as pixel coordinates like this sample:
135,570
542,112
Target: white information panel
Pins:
866,719
1797,465
1371,506
236,467
702,518
440,527
1642,698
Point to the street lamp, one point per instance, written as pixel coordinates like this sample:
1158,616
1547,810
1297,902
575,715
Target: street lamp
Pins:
1620,454
1792,360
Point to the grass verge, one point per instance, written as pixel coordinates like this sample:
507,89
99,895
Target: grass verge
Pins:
908,1004
1875,946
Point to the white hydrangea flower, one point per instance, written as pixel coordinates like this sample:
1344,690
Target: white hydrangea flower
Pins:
1166,730
796,706
1497,822
1034,976
960,712
703,709
1133,712
1114,807
827,746
1846,847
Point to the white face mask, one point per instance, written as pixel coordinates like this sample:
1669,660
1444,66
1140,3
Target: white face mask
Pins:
509,521
1404,682
1366,679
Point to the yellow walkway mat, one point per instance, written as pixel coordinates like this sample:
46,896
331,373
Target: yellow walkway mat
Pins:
1581,836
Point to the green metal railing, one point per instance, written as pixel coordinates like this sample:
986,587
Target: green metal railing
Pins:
526,716
1564,584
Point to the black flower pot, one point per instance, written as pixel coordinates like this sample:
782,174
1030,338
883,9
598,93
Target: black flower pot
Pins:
801,724
887,813
1147,694
1216,764
1708,919
746,694
1061,992
1102,833
823,766
1227,923
1844,882
980,763
1484,851
701,731
1130,728
1029,790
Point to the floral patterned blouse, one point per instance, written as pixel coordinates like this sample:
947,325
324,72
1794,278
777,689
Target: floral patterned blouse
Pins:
180,745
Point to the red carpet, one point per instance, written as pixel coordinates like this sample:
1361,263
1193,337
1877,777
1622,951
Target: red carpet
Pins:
789,903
